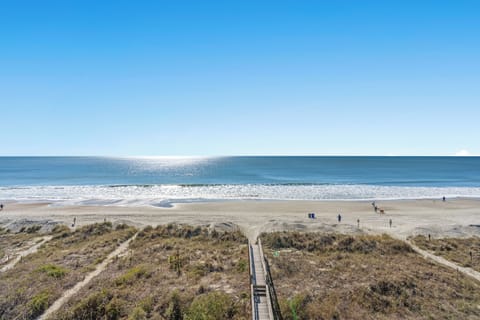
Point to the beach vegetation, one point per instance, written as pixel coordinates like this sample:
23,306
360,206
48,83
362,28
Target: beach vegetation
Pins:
174,310
38,304
3,230
337,276
463,251
137,314
92,307
41,277
131,275
53,270
211,306
242,265
30,229
147,283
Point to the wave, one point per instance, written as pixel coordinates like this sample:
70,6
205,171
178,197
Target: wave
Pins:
166,195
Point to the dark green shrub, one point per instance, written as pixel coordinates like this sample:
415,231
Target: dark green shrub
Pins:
38,304
211,306
53,270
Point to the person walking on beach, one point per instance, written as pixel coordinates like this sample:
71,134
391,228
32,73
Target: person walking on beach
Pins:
1,206
358,223
443,199
339,218
390,223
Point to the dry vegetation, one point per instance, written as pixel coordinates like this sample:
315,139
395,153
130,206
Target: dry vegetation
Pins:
320,276
40,278
170,272
454,249
12,243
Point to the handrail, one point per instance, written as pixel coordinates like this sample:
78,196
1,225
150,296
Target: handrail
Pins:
274,309
253,281
262,257
273,294
253,275
269,303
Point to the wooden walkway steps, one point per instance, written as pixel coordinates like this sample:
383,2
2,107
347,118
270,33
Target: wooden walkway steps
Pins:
260,293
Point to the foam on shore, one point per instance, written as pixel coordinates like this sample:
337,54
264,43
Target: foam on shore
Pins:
167,195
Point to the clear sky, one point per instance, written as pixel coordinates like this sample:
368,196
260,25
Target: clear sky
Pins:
239,77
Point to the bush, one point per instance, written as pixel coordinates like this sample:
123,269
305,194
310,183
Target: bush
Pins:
53,270
93,307
131,275
96,229
147,304
137,314
174,310
295,308
211,306
38,304
60,228
33,229
113,309
242,265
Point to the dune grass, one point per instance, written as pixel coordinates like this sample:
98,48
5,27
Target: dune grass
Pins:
12,243
334,276
454,249
40,278
170,272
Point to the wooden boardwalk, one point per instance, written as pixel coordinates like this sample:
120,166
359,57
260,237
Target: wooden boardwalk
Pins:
261,303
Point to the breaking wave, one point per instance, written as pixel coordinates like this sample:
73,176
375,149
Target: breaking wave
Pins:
166,195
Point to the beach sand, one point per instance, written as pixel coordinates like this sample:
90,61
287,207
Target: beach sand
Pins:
453,218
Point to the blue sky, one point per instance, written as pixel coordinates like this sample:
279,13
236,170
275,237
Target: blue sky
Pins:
239,77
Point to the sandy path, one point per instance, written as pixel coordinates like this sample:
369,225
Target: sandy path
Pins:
24,253
427,255
101,267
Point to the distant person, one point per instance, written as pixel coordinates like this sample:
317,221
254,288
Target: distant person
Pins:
74,221
375,208
373,204
429,237
339,217
358,223
443,199
1,206
390,223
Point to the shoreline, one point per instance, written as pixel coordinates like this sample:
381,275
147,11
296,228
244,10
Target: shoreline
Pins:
455,217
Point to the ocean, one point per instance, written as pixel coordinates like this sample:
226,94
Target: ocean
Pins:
162,181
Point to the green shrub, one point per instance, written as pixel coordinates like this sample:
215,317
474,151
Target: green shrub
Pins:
113,309
242,265
174,310
93,307
38,304
33,229
147,304
137,314
131,275
211,306
61,228
53,270
96,229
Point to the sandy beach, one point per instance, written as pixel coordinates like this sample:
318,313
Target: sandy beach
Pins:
453,218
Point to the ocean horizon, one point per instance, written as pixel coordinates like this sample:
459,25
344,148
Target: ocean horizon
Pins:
161,181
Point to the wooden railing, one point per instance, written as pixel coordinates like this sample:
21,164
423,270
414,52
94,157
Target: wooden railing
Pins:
274,307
